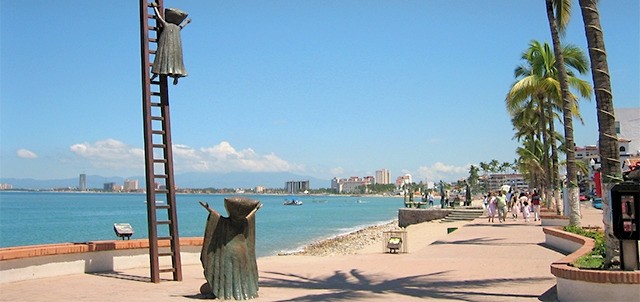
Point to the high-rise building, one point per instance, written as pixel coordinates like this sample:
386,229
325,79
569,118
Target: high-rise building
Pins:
294,187
82,185
130,185
109,186
383,177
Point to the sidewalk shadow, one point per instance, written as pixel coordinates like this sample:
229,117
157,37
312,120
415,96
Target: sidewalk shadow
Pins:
352,285
550,295
484,241
123,276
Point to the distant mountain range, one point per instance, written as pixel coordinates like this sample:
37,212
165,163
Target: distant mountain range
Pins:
187,180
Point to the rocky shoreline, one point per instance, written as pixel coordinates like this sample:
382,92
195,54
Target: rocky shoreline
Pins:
347,244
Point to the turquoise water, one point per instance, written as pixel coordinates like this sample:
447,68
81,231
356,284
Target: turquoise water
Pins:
28,218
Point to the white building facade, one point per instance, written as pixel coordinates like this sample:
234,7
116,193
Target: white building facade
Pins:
352,184
628,131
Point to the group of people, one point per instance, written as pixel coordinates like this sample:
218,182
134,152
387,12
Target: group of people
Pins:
500,204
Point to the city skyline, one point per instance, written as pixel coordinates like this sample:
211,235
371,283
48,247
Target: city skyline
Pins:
324,89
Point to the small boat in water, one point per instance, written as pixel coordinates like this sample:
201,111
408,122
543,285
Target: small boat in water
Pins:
292,202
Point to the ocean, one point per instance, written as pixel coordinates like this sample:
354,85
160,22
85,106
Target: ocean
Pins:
29,218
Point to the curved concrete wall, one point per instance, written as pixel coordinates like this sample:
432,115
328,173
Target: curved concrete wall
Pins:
42,261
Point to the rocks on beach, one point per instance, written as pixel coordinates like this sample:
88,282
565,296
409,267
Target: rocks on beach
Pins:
347,244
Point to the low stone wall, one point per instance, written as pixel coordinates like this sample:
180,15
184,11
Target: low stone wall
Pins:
574,284
409,216
50,260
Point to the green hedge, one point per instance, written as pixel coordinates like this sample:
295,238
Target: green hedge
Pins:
595,259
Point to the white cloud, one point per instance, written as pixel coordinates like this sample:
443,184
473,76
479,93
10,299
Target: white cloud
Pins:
225,158
116,155
26,154
110,154
337,172
440,171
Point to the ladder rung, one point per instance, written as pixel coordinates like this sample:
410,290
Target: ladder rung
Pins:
167,270
157,131
157,118
153,40
165,254
155,93
163,222
156,104
163,207
159,160
162,191
159,145
161,176
155,82
164,238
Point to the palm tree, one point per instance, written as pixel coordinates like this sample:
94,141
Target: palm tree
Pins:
529,160
608,142
557,25
538,83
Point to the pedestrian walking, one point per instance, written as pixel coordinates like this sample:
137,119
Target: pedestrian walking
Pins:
524,206
501,204
513,205
492,207
535,204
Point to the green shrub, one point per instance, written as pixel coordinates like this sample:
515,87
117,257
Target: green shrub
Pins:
595,259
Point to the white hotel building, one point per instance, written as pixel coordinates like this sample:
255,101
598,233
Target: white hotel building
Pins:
351,184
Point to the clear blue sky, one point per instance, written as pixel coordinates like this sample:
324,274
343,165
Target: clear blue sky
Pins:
318,88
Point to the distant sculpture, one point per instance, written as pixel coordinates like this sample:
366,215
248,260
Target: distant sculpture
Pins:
168,60
442,203
467,201
229,250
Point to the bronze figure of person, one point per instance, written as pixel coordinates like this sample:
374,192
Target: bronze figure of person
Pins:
228,253
168,60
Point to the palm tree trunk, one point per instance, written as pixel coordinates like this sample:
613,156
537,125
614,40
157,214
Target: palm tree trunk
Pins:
546,159
573,190
554,177
608,141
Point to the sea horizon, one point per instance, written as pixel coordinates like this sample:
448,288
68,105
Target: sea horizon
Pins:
31,218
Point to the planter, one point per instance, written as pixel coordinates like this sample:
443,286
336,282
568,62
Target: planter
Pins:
553,220
574,284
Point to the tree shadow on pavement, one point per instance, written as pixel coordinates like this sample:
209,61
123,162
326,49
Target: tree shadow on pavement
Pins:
347,286
484,241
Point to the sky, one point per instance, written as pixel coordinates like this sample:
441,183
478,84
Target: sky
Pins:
317,88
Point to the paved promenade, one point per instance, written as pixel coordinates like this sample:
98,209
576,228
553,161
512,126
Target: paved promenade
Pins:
480,261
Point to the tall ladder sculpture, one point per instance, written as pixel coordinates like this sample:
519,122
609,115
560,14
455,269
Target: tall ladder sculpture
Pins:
162,217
